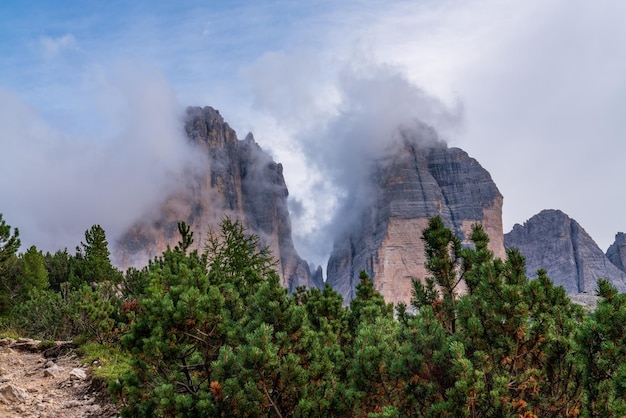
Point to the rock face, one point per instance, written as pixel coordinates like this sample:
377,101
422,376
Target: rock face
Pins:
617,251
238,180
557,243
422,179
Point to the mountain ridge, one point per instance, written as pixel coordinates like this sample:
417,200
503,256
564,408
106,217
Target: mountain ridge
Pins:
421,177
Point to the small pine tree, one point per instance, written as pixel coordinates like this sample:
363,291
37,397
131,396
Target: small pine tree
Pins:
368,305
325,339
9,242
602,342
92,262
35,275
443,260
9,264
59,267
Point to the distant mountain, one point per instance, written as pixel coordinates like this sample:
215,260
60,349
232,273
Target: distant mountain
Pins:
422,179
557,243
617,251
240,180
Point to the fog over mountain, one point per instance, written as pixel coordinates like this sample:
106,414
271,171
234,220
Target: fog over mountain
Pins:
533,90
55,185
376,106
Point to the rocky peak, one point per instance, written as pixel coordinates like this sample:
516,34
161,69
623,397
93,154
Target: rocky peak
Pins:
553,241
239,180
617,251
421,179
205,125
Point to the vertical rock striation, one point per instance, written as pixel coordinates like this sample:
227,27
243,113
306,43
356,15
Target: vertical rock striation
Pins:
553,241
421,179
617,251
240,180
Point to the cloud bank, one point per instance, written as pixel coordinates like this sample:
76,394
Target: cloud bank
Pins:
54,185
542,84
337,138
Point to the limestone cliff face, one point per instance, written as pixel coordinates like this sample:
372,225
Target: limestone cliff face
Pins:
617,251
557,243
240,180
412,185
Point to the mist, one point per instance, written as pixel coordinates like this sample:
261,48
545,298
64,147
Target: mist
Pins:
368,109
55,183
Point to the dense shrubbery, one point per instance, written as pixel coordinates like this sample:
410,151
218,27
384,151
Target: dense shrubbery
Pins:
212,333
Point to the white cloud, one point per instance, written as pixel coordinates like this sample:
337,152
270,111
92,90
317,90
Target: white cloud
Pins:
333,124
543,86
55,185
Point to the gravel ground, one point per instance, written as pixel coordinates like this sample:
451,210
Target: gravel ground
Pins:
32,385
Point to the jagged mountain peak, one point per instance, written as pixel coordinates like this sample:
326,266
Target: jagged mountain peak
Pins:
557,243
249,138
419,180
418,176
237,179
617,251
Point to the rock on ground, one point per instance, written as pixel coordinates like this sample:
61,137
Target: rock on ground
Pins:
28,389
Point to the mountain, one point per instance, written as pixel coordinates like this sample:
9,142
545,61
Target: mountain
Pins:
557,243
421,179
238,179
617,251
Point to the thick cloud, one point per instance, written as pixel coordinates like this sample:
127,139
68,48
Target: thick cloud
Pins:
542,84
338,138
55,185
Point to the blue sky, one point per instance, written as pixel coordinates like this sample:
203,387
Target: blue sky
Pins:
534,90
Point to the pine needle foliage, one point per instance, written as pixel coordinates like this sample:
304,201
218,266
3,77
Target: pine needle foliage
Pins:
211,333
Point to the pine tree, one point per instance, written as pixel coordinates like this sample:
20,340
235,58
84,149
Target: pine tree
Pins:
508,344
374,348
35,275
265,344
177,333
370,345
443,259
368,305
264,373
602,342
59,268
92,262
215,333
9,242
325,337
9,264
517,336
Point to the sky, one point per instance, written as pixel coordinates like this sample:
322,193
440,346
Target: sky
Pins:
92,94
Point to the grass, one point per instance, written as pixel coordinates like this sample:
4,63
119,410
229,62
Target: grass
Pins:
112,362
9,333
7,330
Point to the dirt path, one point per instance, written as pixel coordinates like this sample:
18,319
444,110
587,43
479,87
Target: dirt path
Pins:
34,386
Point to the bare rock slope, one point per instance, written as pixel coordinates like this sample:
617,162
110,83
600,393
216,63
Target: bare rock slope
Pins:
553,241
617,251
240,180
422,179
